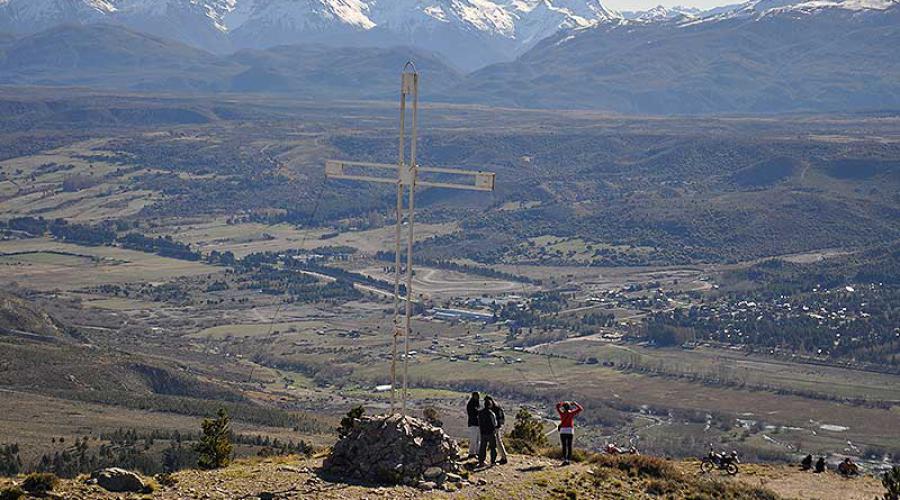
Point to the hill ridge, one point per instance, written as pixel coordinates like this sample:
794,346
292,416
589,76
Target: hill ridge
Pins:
622,477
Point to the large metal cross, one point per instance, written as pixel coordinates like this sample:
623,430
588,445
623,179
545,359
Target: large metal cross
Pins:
407,176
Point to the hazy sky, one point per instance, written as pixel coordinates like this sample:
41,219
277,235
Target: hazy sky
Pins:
648,4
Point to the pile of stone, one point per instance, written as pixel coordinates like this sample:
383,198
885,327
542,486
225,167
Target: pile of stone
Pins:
395,450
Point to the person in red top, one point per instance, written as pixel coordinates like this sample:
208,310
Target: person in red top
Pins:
567,412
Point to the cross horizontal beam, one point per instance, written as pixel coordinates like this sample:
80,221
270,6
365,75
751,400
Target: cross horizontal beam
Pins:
481,181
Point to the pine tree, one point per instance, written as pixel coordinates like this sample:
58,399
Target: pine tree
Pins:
527,435
215,444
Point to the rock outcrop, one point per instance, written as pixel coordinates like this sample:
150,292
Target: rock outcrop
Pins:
119,480
393,450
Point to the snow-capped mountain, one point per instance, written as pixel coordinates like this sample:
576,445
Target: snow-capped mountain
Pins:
760,8
29,16
267,23
661,13
196,22
470,33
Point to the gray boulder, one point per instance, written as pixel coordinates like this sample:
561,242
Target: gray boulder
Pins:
393,450
435,474
119,480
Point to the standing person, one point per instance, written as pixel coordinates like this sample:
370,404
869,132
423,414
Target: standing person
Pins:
474,432
501,419
567,412
487,422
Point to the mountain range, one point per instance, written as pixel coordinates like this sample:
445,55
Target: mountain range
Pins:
760,56
469,33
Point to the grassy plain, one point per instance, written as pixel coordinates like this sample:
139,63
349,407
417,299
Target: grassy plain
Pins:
34,185
738,367
246,238
81,266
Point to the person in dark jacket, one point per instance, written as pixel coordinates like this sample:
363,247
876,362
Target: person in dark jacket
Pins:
474,431
847,468
501,419
820,465
487,423
806,463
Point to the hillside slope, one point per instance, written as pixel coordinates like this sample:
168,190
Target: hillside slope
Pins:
523,477
776,61
20,315
114,57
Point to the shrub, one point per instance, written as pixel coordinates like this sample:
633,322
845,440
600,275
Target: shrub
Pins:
40,482
11,493
348,422
215,445
151,485
527,435
718,490
891,482
659,487
639,465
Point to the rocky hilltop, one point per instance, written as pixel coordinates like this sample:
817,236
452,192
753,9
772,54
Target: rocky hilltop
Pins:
523,477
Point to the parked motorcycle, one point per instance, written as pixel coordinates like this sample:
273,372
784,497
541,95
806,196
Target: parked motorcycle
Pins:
728,463
613,449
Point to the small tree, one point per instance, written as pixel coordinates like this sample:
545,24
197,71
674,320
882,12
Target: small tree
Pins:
348,422
527,435
891,482
215,444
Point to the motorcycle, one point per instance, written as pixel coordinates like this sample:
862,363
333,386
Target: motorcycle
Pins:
612,449
728,463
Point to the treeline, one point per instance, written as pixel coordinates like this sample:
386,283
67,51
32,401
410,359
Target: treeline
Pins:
106,233
450,265
776,277
292,261
163,246
148,452
249,412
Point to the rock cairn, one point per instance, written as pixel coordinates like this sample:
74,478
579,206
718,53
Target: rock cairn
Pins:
393,450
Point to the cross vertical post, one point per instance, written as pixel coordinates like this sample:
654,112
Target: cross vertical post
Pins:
407,175
410,84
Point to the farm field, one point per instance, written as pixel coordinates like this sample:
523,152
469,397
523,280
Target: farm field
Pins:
246,238
45,264
738,367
